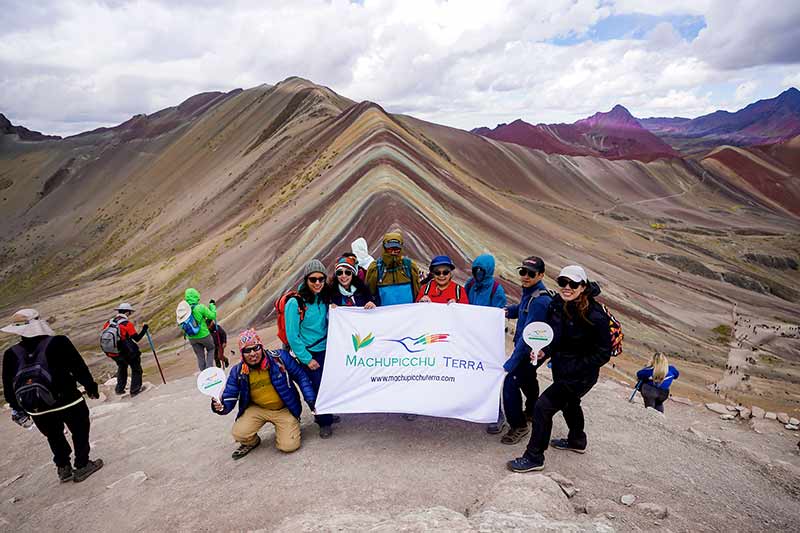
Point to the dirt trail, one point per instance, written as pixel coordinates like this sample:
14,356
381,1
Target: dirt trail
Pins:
717,476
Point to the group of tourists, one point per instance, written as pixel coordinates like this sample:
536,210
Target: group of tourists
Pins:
264,383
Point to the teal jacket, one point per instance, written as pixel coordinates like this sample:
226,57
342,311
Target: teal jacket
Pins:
200,312
309,335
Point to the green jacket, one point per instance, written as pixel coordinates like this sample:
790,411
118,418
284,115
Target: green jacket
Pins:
200,312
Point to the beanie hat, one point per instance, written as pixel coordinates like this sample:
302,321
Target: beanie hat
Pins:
348,263
315,265
247,338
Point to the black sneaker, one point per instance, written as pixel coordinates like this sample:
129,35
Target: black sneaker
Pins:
65,473
563,444
524,464
325,432
85,471
495,428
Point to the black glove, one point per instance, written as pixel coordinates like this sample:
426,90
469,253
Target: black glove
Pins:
145,329
92,391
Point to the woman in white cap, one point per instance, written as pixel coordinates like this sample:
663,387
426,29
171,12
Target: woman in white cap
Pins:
39,375
581,345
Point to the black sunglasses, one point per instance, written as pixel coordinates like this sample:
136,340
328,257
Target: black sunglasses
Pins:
441,272
526,272
563,282
477,270
251,349
343,273
316,279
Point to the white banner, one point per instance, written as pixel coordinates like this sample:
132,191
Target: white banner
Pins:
425,358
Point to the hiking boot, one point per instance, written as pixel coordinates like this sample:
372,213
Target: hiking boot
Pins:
65,473
525,464
410,418
336,419
325,432
244,449
514,435
85,471
563,444
495,428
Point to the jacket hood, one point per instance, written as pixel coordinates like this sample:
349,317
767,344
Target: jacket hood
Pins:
486,262
593,289
192,296
393,236
359,247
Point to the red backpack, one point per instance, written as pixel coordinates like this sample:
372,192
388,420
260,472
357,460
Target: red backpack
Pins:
280,312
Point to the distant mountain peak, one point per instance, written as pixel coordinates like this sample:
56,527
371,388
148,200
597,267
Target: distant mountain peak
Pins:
618,118
7,128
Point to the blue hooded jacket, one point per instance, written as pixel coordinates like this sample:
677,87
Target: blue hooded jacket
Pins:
525,314
238,385
480,292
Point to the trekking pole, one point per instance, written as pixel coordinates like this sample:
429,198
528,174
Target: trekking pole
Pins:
636,388
152,347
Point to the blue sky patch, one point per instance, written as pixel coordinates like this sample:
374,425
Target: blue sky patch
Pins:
634,26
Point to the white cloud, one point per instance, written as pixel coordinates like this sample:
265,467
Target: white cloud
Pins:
75,65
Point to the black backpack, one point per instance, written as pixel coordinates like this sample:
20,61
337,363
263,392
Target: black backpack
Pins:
33,383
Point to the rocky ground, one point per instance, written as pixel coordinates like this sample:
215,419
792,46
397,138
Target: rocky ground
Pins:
168,467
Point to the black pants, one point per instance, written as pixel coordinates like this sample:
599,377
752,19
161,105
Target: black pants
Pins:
558,397
316,379
654,396
123,362
521,381
51,425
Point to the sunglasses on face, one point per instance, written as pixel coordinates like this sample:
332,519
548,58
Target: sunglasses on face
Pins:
393,250
441,272
251,349
563,282
343,273
526,272
315,279
477,270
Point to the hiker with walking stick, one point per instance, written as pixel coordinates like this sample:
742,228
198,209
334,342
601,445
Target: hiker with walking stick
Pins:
119,342
220,341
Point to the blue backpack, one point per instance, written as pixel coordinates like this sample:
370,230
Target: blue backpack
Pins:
190,327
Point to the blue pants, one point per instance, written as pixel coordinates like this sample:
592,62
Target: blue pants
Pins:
316,379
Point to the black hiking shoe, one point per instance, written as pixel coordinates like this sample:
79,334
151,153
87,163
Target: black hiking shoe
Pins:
410,418
524,464
85,471
563,444
325,432
244,449
514,435
65,473
336,419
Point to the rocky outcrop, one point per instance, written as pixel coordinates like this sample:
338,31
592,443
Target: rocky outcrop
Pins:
771,261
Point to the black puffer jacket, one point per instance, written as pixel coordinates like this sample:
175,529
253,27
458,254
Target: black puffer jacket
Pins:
579,347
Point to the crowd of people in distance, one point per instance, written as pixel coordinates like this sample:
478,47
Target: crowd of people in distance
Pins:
264,383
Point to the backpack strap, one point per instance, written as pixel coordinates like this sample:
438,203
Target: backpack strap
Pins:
407,268
22,353
458,292
494,290
468,285
380,266
536,294
428,288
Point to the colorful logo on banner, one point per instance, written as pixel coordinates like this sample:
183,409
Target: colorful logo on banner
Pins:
411,342
359,343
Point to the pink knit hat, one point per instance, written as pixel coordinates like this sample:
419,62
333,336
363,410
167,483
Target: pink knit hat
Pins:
249,337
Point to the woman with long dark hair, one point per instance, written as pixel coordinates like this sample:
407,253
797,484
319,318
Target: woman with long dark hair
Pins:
581,345
346,288
308,336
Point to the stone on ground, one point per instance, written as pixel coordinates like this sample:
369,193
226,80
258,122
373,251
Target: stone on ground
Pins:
653,509
717,408
628,499
757,412
771,416
783,418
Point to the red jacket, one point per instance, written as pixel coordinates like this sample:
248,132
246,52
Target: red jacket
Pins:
453,291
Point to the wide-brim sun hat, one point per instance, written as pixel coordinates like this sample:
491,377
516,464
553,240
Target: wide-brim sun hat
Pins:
575,273
26,323
125,306
442,260
183,311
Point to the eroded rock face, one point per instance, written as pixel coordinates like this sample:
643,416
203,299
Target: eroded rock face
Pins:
771,261
687,264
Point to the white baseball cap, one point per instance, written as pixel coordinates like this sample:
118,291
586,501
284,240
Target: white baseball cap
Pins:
575,273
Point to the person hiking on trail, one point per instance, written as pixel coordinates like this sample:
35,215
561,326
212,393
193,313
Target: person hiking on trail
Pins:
345,288
39,375
361,253
442,289
581,345
308,335
656,379
128,354
202,342
263,383
521,377
392,278
483,289
220,337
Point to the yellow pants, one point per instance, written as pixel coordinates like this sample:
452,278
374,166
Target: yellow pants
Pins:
287,427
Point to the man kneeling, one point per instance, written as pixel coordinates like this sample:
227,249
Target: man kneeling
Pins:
263,383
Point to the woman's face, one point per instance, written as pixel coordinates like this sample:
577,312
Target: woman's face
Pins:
344,276
570,289
315,282
442,274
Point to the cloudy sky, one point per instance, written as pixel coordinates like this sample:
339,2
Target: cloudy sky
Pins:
71,65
